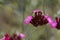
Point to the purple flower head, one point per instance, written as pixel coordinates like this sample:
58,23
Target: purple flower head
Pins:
50,21
39,19
27,20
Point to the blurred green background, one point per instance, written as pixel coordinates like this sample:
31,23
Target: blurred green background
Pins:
13,13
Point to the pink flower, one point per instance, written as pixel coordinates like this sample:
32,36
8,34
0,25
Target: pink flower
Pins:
14,37
6,37
27,20
51,22
21,35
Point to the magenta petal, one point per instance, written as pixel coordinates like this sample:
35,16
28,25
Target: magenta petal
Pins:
51,22
3,38
53,25
49,19
7,38
27,20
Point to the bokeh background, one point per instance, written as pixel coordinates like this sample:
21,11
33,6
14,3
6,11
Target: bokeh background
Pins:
13,13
